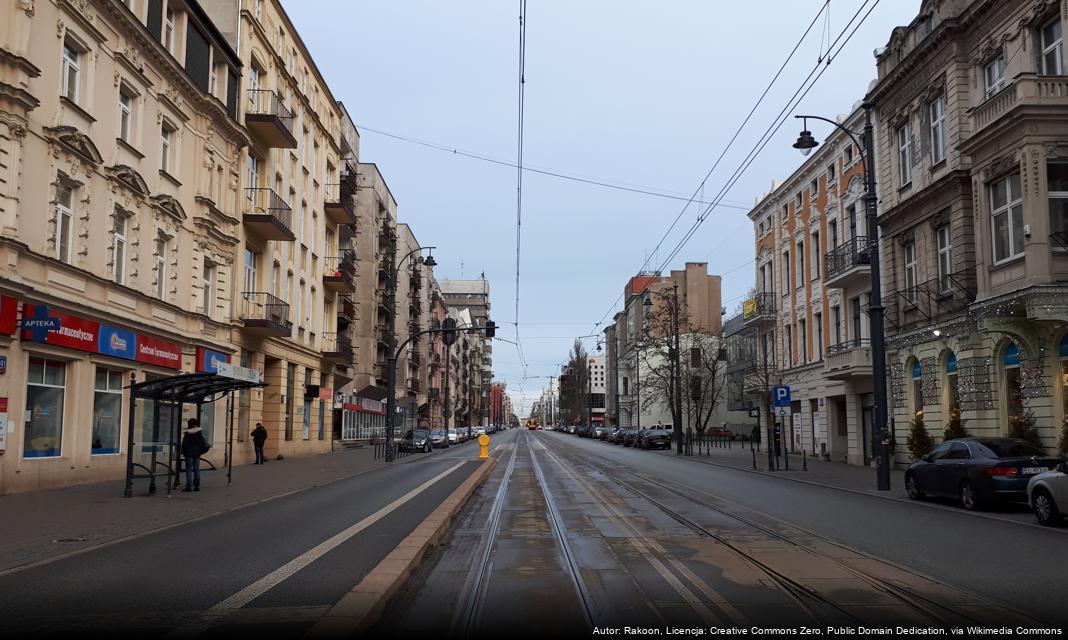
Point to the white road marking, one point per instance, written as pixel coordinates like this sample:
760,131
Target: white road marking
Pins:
261,586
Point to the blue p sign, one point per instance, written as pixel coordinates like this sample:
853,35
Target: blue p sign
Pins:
781,396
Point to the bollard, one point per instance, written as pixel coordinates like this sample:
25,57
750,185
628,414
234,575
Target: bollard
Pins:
786,456
754,457
804,461
483,446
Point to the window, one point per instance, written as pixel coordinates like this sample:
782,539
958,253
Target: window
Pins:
818,320
832,229
1057,186
1051,49
837,311
786,285
69,73
904,152
801,264
815,261
785,211
830,173
802,327
250,270
851,216
856,332
45,389
952,392
208,287
126,105
910,271
849,154
1013,388
168,31
788,337
166,147
64,222
253,88
253,169
118,248
1006,213
917,388
994,74
107,411
798,202
937,110
814,190
258,9
161,266
945,259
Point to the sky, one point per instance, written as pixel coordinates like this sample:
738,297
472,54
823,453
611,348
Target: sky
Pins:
645,95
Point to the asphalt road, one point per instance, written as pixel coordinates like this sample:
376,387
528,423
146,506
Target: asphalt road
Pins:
187,576
571,533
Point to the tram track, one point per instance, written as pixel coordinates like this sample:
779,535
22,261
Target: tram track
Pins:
935,612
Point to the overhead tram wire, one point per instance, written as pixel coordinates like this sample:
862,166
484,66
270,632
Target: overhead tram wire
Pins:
728,146
519,170
783,116
648,191
821,66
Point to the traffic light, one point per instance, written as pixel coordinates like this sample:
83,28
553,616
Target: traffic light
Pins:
491,329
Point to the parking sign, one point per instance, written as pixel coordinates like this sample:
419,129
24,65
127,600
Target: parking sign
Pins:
781,396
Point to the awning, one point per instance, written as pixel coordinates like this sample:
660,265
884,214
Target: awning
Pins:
189,387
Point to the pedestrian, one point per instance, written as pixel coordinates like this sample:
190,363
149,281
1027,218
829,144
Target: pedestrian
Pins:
259,436
193,446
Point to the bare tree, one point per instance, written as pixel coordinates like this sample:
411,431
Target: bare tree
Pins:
751,353
704,365
574,385
656,349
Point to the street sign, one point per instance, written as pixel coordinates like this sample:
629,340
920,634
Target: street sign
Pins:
781,396
754,413
449,337
227,370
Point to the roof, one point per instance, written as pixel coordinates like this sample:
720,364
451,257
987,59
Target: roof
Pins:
190,387
479,286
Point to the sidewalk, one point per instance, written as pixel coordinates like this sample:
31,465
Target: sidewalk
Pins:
42,524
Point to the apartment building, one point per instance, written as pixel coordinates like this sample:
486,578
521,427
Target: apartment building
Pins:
436,356
973,172
297,193
813,279
413,316
120,148
476,351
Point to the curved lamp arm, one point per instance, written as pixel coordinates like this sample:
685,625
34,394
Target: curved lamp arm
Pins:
851,134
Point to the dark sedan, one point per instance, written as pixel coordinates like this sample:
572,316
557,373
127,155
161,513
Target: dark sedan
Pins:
630,437
437,437
977,471
655,437
418,440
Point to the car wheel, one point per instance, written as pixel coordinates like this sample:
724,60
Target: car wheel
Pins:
969,496
912,488
1045,508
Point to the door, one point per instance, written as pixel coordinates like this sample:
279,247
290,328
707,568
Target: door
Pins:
927,472
866,419
306,432
952,468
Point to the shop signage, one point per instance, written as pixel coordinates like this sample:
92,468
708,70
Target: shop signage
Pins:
228,370
9,315
3,425
159,352
209,361
3,365
117,342
325,393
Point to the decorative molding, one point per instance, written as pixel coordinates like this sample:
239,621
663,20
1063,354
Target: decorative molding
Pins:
170,205
129,178
74,141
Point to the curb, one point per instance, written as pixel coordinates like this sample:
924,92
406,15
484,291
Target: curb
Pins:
359,609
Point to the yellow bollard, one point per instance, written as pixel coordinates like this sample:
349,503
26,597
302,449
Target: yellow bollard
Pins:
483,443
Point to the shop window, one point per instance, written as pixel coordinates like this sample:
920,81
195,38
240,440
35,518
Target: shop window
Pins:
952,394
107,411
207,420
1013,395
45,390
1064,376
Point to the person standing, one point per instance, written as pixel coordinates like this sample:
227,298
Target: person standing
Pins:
259,436
193,446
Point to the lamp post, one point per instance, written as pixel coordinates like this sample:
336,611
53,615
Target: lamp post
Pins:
391,369
676,369
805,143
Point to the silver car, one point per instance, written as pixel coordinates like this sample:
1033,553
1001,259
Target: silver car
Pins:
1047,493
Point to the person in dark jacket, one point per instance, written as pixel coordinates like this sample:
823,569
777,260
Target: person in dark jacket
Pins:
259,436
193,446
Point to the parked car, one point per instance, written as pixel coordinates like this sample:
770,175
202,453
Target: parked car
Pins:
613,433
630,438
605,432
454,436
1047,493
719,432
655,437
978,471
437,437
416,440
598,432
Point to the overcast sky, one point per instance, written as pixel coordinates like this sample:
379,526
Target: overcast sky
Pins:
638,94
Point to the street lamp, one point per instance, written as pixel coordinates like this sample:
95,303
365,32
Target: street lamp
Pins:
391,370
805,143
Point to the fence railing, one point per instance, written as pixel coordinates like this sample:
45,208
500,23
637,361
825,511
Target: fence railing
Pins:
264,201
341,266
846,345
264,102
853,253
258,305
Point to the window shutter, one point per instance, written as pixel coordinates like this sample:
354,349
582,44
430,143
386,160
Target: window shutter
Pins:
197,57
155,18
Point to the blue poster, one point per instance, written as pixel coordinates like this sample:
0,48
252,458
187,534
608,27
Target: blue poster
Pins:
117,342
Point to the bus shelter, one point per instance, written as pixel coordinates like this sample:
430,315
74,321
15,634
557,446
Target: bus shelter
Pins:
153,450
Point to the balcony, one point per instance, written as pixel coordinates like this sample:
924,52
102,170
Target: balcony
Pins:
414,384
339,203
760,308
848,359
1028,91
264,314
383,334
337,347
346,307
268,215
416,278
848,265
416,304
339,272
269,121
381,369
433,393
930,301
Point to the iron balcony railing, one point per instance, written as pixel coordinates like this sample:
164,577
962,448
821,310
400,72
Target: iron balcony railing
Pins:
343,266
264,102
339,192
337,342
853,253
846,345
258,305
761,305
264,201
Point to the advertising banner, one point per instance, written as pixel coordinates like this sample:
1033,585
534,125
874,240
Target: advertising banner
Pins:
9,314
209,361
73,332
159,352
117,342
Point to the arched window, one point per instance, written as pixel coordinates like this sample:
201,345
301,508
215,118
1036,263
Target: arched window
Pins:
1064,374
917,387
952,395
1011,363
